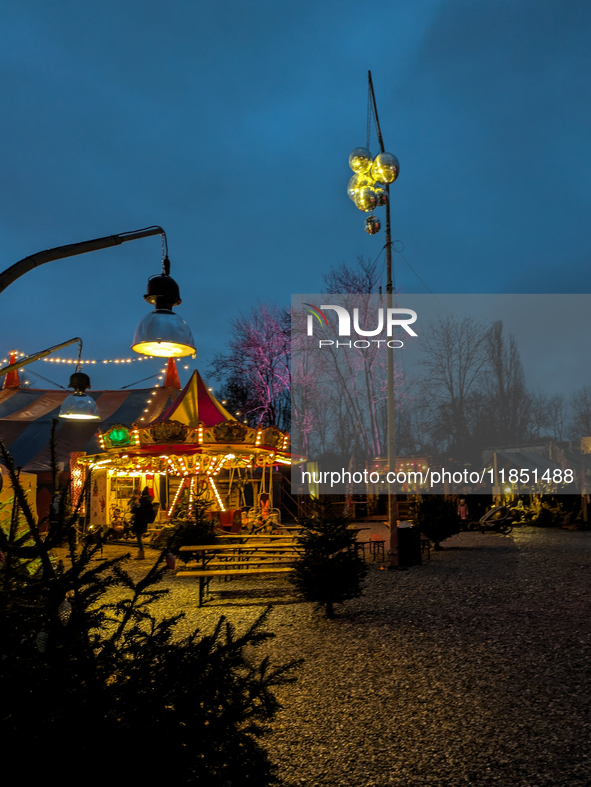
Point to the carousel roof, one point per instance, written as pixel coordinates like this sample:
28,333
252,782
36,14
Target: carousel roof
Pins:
193,405
196,427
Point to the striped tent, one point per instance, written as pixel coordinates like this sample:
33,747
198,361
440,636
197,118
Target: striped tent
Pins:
26,416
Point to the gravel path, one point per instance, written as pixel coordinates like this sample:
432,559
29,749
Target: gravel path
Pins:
472,669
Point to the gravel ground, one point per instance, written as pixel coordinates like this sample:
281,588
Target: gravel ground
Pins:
472,669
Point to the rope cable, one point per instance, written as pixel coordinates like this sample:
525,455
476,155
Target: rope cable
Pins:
368,125
138,381
47,380
419,278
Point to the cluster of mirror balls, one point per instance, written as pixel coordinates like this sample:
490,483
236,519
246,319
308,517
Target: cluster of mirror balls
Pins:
367,187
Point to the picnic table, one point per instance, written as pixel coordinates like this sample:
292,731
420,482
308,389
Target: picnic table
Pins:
252,555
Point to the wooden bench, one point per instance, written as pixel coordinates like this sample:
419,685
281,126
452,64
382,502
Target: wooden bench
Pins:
238,564
209,573
241,559
256,537
205,575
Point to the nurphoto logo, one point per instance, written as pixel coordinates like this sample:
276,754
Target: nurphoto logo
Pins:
393,317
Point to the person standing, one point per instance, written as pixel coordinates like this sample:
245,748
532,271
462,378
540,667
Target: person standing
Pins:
463,512
143,515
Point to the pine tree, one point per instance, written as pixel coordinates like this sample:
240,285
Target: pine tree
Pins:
92,678
436,517
195,528
330,571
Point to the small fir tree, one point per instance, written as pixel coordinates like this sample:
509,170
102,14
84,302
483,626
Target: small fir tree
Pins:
436,517
196,527
330,570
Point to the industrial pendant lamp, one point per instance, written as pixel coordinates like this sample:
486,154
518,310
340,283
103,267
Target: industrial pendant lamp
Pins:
79,406
163,333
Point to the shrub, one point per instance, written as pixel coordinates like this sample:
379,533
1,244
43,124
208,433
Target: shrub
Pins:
194,528
436,517
330,571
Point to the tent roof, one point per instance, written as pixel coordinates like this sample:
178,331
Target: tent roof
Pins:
195,404
26,416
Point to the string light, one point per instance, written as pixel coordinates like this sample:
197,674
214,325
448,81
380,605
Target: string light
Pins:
176,497
217,494
99,360
191,494
17,354
221,464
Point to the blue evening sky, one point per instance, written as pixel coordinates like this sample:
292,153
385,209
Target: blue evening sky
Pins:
230,125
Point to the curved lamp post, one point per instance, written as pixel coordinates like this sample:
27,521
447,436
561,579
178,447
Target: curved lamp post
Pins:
162,333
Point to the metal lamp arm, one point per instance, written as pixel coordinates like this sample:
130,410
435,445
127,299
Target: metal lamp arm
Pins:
27,264
42,354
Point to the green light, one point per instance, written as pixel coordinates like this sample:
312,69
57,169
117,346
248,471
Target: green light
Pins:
119,435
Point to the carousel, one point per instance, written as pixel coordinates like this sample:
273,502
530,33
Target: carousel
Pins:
193,449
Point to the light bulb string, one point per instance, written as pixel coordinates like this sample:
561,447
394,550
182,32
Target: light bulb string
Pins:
100,360
16,353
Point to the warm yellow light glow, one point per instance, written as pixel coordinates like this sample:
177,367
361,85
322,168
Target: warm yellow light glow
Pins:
385,168
360,160
358,181
163,349
366,199
219,499
80,417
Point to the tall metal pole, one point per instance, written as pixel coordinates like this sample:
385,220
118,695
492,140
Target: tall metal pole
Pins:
391,419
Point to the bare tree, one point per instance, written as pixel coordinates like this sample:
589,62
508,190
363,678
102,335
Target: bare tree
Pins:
454,361
557,416
363,279
510,402
361,374
256,370
580,424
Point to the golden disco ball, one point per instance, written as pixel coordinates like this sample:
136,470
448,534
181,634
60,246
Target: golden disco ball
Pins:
357,182
366,199
372,225
385,168
382,196
360,160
